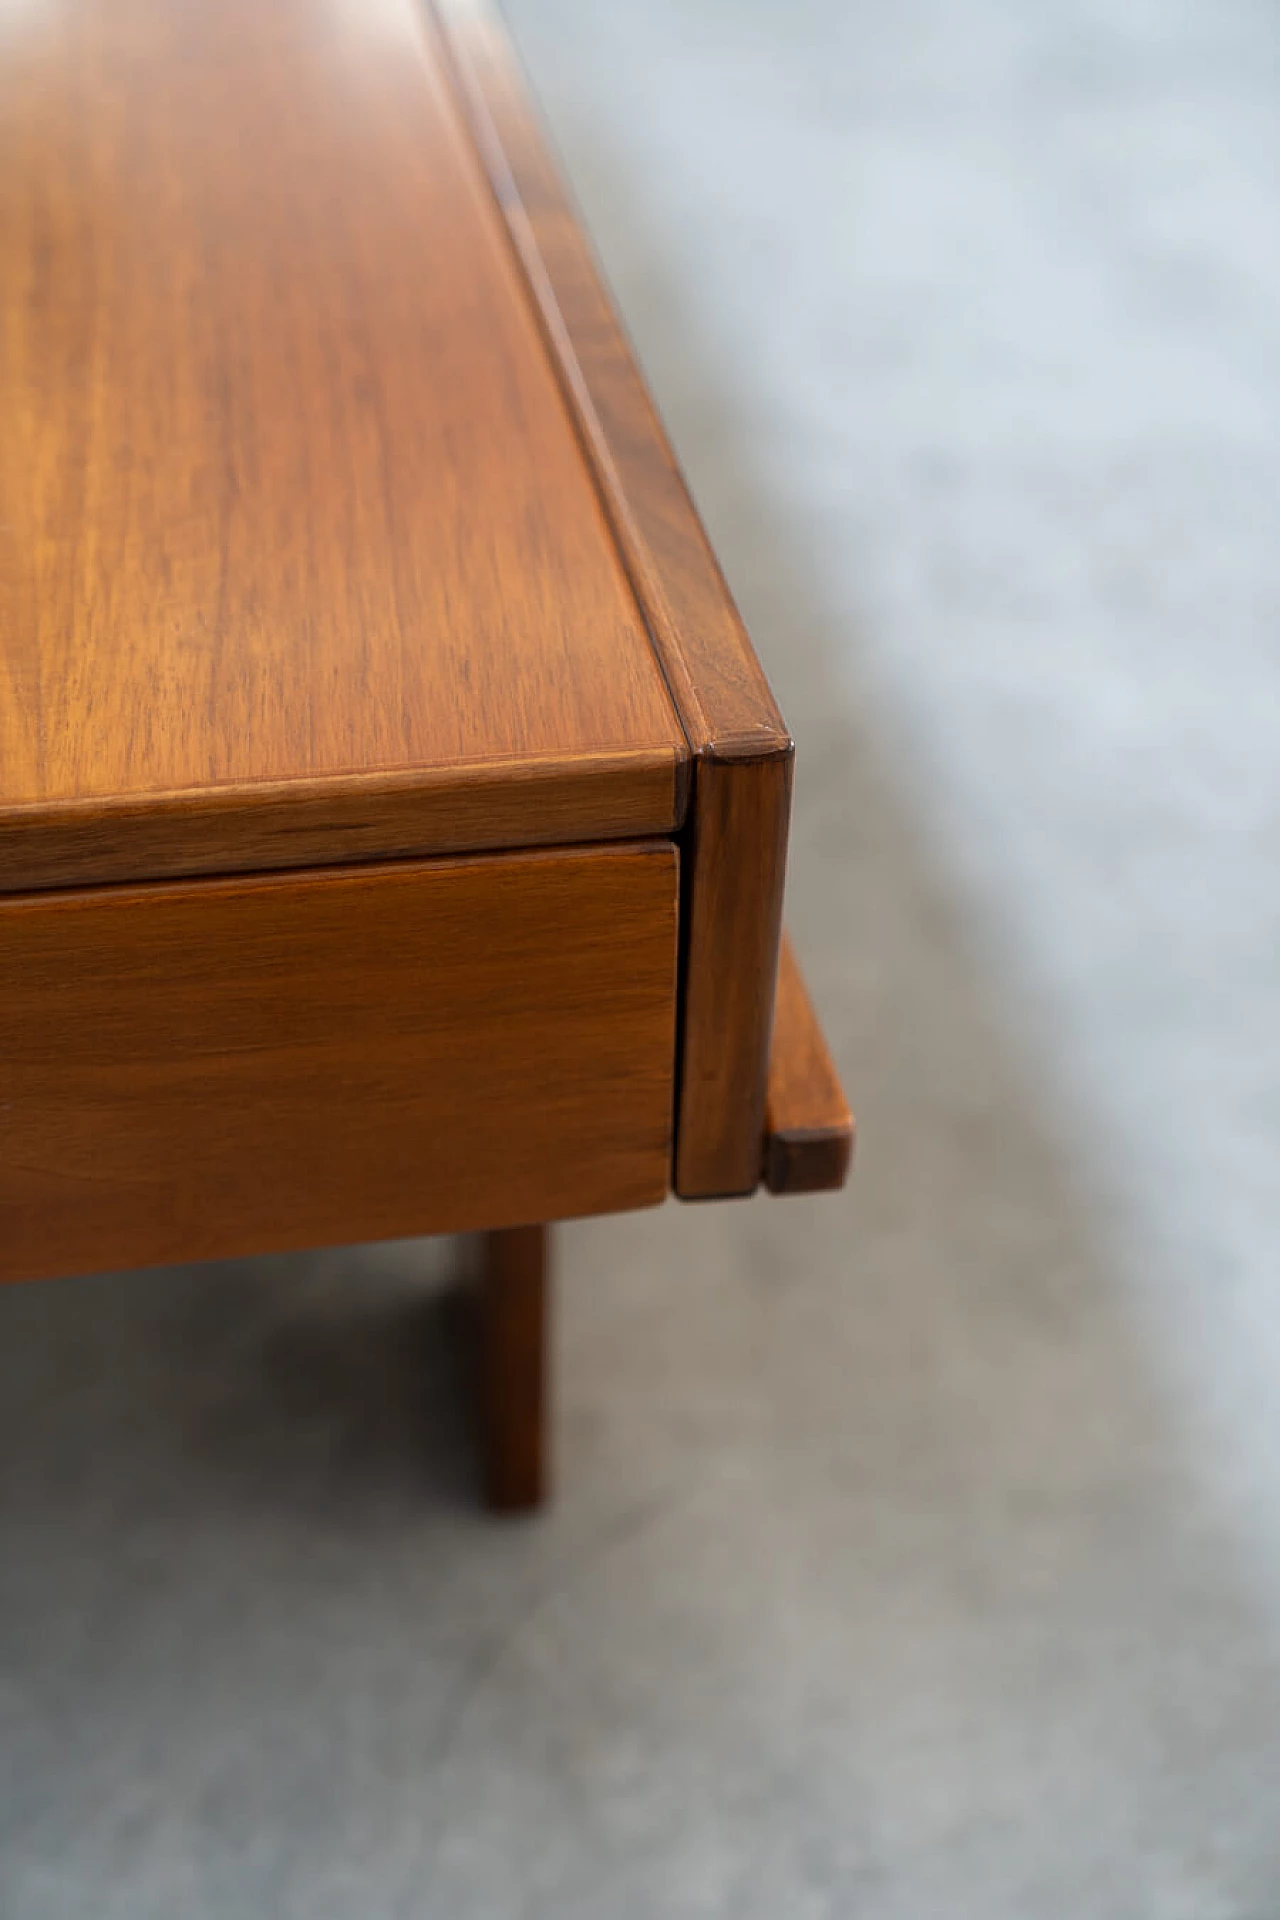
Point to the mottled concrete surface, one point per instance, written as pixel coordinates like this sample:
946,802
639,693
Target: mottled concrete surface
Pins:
917,1556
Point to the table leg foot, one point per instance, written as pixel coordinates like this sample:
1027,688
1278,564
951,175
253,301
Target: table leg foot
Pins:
514,1339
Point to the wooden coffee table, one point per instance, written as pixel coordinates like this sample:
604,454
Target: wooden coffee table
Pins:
393,812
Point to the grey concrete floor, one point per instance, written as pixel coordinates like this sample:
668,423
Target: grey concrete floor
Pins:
917,1554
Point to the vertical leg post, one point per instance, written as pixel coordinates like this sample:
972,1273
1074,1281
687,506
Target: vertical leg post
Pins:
514,1392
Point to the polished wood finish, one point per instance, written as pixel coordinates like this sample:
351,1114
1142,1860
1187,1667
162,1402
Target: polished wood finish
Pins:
300,559
514,1363
743,753
355,817
217,1067
738,847
808,1127
337,526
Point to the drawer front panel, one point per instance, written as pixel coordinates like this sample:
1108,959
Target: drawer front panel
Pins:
208,1068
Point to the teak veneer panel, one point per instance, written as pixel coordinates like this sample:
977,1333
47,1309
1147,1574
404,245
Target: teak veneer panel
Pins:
300,559
216,1067
735,846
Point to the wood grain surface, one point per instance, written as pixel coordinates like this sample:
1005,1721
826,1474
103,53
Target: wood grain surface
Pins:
216,1067
296,536
809,1130
740,802
515,1352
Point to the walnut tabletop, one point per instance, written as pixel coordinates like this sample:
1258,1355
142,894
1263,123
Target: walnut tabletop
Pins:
300,558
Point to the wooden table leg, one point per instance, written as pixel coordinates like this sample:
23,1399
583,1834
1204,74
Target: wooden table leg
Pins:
513,1368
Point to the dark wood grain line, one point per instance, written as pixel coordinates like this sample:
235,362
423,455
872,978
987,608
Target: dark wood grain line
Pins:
740,802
